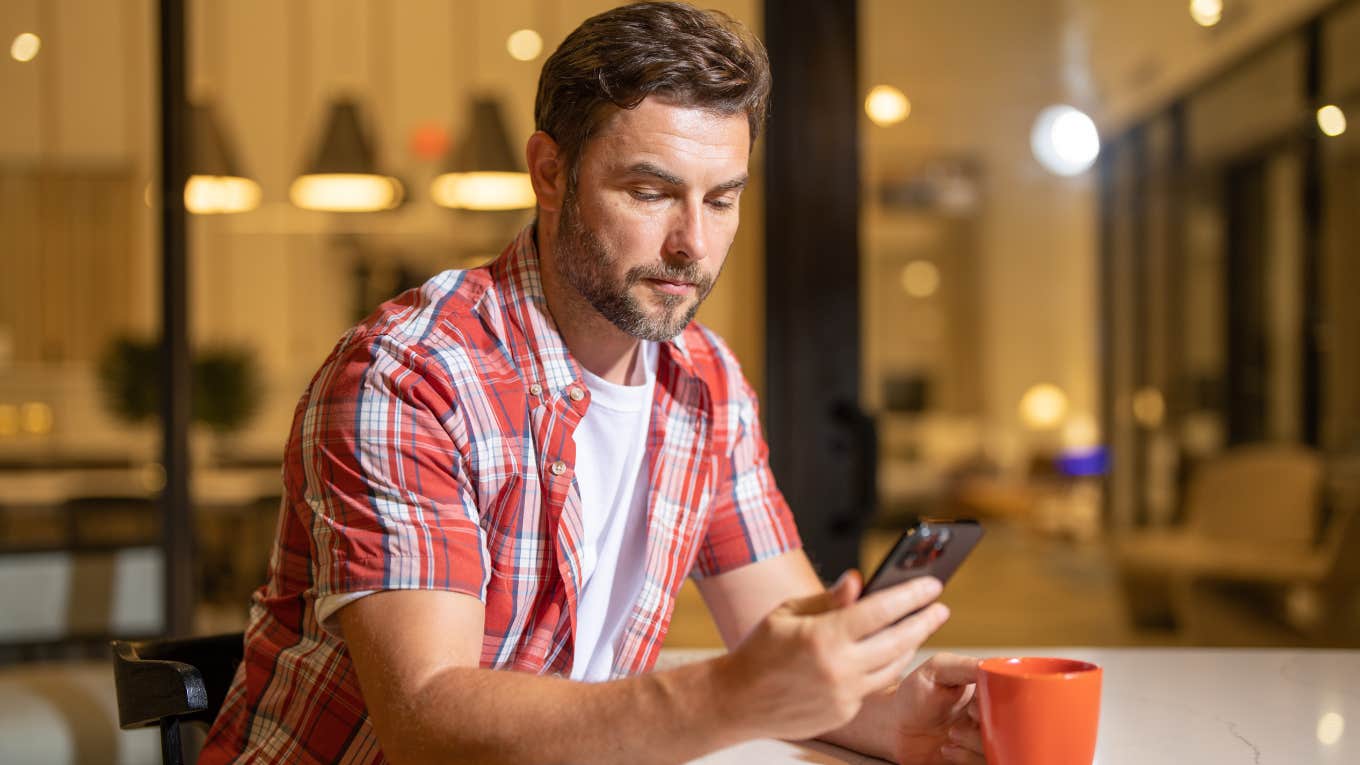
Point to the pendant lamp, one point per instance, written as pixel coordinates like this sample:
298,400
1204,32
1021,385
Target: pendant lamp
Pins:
483,172
343,175
216,184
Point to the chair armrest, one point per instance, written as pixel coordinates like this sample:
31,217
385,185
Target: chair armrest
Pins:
151,689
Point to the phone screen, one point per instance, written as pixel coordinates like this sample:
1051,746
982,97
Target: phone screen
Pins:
929,548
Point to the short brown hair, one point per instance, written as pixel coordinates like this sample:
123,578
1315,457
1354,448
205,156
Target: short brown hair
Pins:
696,58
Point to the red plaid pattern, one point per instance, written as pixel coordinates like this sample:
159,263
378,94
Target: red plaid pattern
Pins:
433,450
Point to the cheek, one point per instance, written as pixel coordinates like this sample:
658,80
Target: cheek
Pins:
632,238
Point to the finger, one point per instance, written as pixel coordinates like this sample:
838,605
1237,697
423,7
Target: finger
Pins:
843,592
849,587
888,675
966,735
961,756
951,669
975,711
905,637
846,590
879,609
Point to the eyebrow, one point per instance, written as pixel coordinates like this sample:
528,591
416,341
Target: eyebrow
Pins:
665,176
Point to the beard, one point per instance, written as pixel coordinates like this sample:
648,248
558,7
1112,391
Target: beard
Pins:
585,262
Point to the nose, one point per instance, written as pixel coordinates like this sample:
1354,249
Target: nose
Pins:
687,241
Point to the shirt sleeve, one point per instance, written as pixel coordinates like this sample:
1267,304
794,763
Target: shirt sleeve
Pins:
383,477
749,521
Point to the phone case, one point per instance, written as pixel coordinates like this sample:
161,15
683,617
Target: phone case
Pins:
930,548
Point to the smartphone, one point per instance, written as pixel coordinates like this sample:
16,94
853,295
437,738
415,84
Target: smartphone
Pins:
929,548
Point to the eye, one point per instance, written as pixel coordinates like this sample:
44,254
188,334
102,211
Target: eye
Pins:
722,203
642,195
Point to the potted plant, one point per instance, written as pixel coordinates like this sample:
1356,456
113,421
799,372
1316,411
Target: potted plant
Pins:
226,389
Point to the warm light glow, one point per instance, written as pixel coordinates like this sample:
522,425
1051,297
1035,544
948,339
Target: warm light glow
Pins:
920,278
25,47
1331,120
886,105
1149,407
1043,406
1081,432
346,192
9,420
213,194
483,191
524,45
35,418
1206,13
1065,140
1330,728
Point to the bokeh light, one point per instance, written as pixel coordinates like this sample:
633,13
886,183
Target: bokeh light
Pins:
886,105
920,278
25,47
1065,140
524,45
1043,406
1206,13
1331,120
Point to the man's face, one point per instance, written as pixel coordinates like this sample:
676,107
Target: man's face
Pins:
644,234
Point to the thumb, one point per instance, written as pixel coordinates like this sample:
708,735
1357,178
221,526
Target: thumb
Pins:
841,594
847,588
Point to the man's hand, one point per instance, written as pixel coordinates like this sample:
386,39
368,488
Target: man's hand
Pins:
937,713
807,667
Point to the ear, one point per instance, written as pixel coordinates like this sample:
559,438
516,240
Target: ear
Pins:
547,171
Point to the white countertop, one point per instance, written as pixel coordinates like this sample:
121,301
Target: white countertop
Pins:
1176,706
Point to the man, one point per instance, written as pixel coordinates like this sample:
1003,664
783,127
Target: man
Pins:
515,467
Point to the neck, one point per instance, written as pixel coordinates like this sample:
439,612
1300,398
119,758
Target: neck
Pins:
607,351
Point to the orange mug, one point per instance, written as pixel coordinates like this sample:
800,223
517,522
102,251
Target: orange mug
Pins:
1038,711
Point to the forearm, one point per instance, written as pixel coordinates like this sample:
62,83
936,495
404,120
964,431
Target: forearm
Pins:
484,716
871,731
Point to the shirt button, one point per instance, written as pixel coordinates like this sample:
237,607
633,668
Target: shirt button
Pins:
535,390
576,393
559,467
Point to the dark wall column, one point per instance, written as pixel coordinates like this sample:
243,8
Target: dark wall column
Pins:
1313,302
176,512
821,444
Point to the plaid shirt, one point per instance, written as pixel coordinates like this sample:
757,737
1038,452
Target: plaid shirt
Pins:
433,450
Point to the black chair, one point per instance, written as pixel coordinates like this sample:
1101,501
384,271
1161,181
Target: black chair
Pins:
166,682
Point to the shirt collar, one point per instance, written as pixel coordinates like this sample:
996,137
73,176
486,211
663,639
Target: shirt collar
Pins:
516,274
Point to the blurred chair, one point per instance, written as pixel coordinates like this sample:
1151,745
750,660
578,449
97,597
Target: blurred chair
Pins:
1251,518
1307,598
167,682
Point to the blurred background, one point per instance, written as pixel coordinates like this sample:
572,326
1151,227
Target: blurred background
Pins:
1082,269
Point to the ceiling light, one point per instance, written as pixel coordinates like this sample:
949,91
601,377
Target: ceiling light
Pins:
1064,140
216,183
1043,406
1331,120
25,47
886,105
1206,13
524,45
343,175
483,172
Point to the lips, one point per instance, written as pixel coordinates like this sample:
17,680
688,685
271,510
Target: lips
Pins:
670,287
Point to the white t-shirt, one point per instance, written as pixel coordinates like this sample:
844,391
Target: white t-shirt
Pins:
611,476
